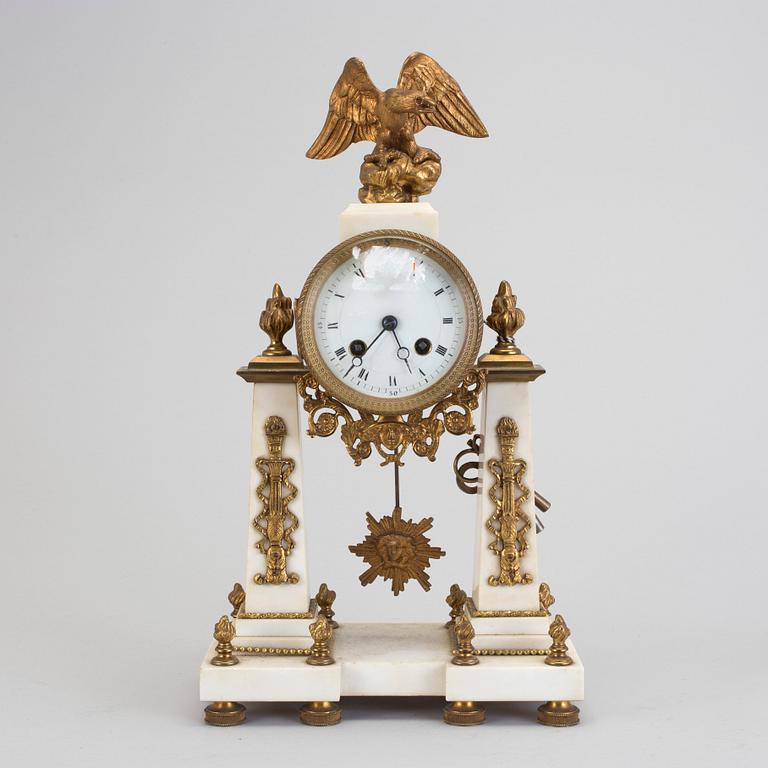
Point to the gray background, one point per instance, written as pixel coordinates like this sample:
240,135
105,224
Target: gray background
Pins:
153,188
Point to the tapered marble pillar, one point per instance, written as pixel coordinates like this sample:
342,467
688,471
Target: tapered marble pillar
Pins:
506,573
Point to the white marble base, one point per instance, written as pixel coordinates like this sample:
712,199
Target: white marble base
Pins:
392,660
511,625
274,641
512,641
268,678
273,627
357,218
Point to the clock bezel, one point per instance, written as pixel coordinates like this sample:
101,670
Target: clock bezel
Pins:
401,405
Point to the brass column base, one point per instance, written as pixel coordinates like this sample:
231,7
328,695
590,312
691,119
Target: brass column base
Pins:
320,713
558,713
463,713
225,713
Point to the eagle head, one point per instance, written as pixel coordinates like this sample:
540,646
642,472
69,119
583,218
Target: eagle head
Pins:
399,100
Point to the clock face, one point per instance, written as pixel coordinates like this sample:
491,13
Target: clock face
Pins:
390,322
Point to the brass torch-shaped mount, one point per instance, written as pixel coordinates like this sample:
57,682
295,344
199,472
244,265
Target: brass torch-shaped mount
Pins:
506,319
224,634
276,320
558,651
321,632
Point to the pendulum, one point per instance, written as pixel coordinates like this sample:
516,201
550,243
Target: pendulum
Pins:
396,549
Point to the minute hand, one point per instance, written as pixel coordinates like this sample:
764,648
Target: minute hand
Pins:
400,348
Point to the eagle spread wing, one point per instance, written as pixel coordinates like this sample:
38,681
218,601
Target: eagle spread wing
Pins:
453,111
351,113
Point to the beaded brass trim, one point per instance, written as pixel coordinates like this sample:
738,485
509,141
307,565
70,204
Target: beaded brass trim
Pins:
511,651
455,651
475,614
310,614
257,651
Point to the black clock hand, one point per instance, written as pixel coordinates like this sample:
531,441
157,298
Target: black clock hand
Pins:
358,348
402,352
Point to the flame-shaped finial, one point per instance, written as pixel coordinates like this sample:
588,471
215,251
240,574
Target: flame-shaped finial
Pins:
276,320
506,319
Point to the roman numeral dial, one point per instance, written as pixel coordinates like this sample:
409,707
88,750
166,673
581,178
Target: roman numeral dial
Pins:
392,320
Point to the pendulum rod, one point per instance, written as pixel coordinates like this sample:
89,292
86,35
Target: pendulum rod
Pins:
397,484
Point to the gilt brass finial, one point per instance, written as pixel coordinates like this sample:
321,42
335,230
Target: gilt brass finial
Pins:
236,598
321,632
465,633
506,319
276,320
224,634
398,170
558,651
324,600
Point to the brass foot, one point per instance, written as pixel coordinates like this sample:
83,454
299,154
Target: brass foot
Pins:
320,713
463,713
558,713
225,713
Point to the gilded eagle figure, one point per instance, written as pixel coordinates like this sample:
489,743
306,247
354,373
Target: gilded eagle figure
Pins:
398,169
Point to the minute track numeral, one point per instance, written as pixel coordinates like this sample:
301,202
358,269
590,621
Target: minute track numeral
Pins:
441,350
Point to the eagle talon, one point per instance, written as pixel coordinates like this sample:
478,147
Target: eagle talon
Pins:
423,154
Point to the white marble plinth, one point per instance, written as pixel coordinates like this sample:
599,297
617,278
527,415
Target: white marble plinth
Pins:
516,678
275,627
511,625
392,660
268,678
365,217
504,398
273,641
276,399
518,642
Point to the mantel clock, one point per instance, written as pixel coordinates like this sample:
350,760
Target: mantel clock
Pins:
389,325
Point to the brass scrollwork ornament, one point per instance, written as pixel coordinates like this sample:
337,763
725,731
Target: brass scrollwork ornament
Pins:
391,435
276,522
508,524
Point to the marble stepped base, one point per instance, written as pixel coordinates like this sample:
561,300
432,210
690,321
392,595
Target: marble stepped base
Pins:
392,660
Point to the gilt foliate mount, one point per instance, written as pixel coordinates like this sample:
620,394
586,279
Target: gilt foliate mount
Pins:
398,170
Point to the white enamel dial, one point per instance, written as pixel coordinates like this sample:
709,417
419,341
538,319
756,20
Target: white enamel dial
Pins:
389,321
